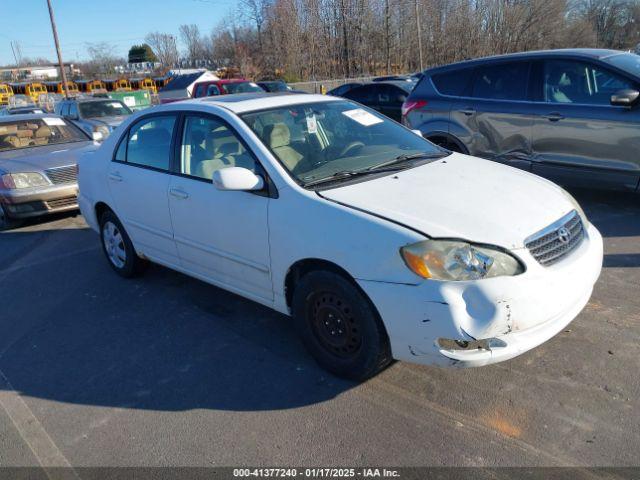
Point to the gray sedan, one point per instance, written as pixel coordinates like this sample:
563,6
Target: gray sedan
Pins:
38,166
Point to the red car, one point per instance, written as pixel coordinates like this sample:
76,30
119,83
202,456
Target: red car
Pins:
223,87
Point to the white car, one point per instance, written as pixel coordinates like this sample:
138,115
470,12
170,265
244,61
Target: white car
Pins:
379,244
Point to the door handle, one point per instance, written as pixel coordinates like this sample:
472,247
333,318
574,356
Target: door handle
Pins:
553,117
115,177
468,111
176,192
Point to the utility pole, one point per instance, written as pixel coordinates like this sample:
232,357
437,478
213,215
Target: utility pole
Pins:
14,54
387,36
419,35
55,39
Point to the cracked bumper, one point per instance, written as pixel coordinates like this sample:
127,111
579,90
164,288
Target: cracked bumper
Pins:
514,314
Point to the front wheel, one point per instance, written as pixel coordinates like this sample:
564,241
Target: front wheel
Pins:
118,248
339,326
6,223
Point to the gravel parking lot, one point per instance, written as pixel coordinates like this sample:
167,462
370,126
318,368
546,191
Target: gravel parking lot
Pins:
166,370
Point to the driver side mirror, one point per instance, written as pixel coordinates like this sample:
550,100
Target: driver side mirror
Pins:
625,98
237,179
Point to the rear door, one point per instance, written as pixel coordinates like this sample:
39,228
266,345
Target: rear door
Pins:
139,183
496,116
579,138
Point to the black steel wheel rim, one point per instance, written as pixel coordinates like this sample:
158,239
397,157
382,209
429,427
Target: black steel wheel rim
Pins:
334,324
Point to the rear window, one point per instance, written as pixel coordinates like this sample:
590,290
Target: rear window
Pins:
452,83
505,81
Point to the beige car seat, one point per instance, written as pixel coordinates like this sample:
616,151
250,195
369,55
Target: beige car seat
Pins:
279,138
42,135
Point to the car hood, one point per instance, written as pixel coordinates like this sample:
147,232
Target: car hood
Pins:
461,197
110,121
36,159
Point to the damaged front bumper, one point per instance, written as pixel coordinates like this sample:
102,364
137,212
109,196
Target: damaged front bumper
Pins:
477,323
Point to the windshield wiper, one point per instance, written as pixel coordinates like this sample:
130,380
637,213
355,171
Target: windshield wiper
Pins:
393,165
405,157
342,174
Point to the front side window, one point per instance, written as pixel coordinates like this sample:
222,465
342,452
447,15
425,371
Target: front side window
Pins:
504,81
326,139
149,142
38,132
209,145
107,108
212,90
570,81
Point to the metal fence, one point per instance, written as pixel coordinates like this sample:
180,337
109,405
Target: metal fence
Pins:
323,86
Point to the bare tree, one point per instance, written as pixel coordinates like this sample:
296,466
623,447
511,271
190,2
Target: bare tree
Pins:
165,48
102,58
190,36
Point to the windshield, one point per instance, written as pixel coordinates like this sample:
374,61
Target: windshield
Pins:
276,86
628,62
38,132
321,140
242,87
110,108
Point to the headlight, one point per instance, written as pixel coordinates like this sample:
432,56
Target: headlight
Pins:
577,207
456,260
103,129
23,180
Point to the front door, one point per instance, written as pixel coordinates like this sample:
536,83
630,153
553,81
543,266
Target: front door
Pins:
139,182
579,138
221,236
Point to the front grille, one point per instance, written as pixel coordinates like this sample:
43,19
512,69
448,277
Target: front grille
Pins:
68,174
62,202
552,244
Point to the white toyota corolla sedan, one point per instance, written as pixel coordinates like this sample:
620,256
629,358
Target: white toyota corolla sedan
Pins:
379,244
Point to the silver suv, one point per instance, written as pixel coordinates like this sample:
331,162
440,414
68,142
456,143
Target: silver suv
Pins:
95,115
569,115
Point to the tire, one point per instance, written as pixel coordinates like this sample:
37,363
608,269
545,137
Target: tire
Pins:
447,143
118,248
6,223
339,326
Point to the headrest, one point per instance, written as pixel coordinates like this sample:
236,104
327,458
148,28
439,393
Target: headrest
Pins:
43,132
278,135
24,133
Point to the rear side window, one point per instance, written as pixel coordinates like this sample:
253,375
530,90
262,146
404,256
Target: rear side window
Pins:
149,142
504,81
453,83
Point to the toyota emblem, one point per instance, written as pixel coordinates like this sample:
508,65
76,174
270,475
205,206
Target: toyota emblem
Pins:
564,235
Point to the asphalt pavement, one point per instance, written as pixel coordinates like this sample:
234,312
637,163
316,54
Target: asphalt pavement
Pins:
166,370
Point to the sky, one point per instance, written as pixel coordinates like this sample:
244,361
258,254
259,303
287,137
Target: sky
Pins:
121,23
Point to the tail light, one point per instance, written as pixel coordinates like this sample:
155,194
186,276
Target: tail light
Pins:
410,105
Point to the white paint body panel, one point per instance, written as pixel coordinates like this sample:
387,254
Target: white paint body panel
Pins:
247,243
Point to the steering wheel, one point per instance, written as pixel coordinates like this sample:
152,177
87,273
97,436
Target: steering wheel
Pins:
351,146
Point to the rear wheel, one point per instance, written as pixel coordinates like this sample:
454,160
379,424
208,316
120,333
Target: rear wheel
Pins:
118,248
339,326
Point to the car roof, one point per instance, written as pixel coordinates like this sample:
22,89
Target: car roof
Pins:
90,99
248,102
592,53
27,116
403,84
